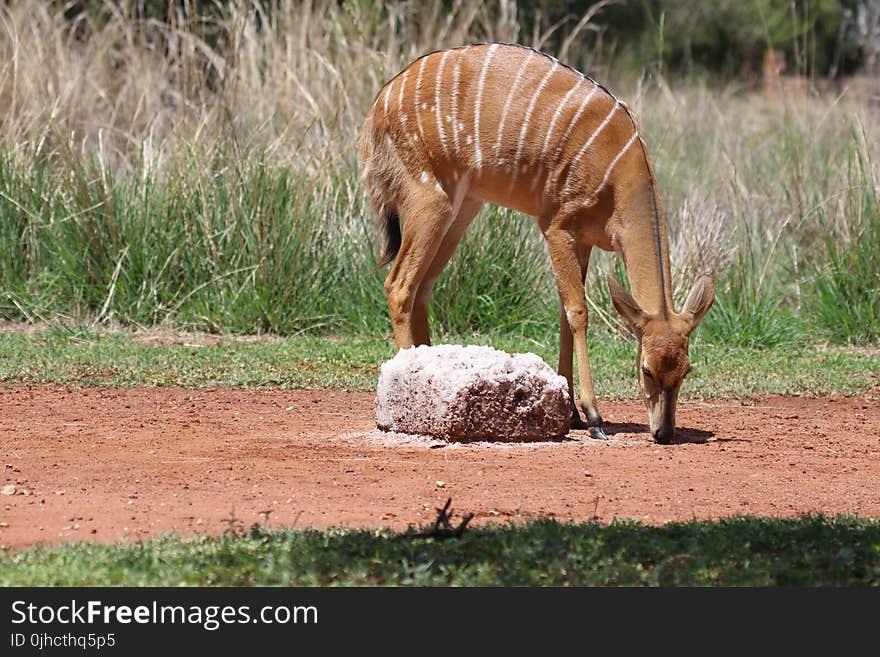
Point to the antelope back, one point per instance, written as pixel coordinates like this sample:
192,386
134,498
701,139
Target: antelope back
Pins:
528,131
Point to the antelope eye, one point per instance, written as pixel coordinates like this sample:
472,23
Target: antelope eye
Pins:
647,372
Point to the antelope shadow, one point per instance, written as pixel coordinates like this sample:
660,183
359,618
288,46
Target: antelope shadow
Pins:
682,434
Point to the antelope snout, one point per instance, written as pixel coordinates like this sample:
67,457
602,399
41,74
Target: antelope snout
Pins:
661,415
663,435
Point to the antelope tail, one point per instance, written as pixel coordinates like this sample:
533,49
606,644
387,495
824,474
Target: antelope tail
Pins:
378,177
391,226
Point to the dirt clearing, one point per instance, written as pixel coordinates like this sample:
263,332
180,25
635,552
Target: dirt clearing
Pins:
104,464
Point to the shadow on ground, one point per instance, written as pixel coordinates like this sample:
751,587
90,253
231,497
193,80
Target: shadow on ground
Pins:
682,434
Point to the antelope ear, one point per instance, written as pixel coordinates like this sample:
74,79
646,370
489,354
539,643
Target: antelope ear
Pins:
627,306
699,301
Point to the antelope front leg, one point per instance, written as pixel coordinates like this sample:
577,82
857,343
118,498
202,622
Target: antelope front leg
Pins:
570,269
566,364
566,346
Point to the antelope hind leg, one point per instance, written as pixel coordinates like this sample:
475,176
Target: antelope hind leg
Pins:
425,221
451,240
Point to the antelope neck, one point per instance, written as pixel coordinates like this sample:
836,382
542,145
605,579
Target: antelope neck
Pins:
643,243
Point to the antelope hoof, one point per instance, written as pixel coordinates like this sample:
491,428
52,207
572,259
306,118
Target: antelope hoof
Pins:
594,426
578,423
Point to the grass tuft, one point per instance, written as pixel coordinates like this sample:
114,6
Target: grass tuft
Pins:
846,304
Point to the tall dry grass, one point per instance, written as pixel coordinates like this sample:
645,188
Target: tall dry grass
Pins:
296,80
202,170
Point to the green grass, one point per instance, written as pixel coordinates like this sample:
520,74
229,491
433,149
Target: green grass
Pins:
846,305
231,243
235,245
352,362
744,551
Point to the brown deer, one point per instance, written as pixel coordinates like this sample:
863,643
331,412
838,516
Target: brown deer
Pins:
506,124
778,84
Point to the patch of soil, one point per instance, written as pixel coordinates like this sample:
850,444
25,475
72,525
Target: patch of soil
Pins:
108,464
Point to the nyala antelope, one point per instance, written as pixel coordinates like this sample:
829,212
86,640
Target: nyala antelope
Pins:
505,124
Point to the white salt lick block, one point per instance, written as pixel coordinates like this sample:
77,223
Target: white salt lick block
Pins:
465,394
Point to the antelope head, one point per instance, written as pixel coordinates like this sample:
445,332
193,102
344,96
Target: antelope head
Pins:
663,360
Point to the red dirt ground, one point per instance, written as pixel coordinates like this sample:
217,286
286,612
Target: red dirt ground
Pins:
104,464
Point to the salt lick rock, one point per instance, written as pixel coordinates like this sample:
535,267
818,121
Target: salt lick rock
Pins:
464,394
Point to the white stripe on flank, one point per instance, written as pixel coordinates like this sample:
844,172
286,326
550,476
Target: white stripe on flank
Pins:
417,107
440,132
571,125
387,95
461,188
456,74
400,97
556,116
573,122
478,155
516,82
611,168
528,116
589,142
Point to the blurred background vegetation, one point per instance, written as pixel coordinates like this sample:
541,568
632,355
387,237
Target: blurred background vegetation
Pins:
824,38
193,163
